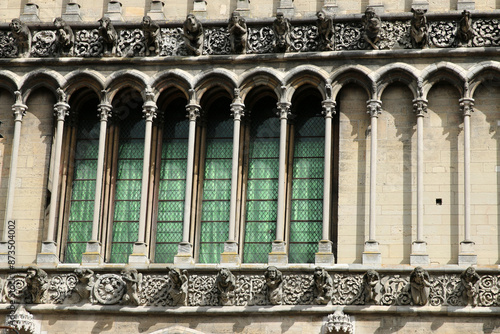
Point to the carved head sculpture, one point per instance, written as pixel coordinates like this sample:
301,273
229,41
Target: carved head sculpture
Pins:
280,17
174,274
83,273
59,23
104,22
130,275
235,16
418,16
146,21
34,272
371,277
191,23
469,275
272,273
16,25
321,15
370,13
419,276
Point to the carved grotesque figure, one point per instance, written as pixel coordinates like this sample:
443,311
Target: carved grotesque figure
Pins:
64,37
237,28
282,30
419,286
109,37
178,286
371,291
274,280
151,31
323,286
225,283
325,31
22,34
418,29
83,286
193,35
371,23
133,282
469,279
37,283
464,31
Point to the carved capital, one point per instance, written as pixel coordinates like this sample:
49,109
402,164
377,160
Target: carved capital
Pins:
237,107
328,108
283,109
149,109
420,107
374,107
466,106
61,110
105,111
194,111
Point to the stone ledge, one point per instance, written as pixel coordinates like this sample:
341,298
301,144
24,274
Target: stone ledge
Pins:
264,310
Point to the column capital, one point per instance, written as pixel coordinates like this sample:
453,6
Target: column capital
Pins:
104,110
466,105
374,107
19,108
194,111
328,108
420,106
283,109
61,110
237,107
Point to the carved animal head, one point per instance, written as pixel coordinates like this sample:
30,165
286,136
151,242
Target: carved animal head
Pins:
370,13
469,274
192,24
16,25
371,276
83,273
104,22
321,15
59,23
225,274
320,274
418,14
34,272
280,17
129,274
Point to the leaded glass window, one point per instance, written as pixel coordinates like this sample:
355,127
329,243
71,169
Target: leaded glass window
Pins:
216,187
172,186
128,187
83,189
306,212
262,186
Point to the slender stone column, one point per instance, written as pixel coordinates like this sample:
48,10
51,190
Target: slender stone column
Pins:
419,254
140,251
467,255
324,256
185,249
278,253
93,252
371,254
230,254
48,254
19,109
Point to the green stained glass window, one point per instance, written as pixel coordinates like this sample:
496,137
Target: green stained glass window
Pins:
172,188
83,190
306,218
128,188
216,189
262,188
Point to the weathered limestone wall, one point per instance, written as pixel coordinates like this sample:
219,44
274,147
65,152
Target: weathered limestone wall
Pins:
32,174
7,131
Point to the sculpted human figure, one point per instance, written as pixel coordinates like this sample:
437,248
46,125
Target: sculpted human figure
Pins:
274,280
282,29
37,282
464,31
83,287
193,35
22,34
371,23
178,286
419,286
64,37
133,281
323,286
325,31
237,28
225,283
151,31
371,287
469,279
418,29
109,36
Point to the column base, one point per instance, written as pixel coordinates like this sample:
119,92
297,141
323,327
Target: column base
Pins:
419,254
278,255
324,256
467,256
48,256
371,254
92,255
230,255
139,255
184,254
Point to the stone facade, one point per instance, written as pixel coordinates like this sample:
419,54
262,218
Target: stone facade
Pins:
409,237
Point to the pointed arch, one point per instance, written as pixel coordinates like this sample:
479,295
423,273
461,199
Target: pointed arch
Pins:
482,72
9,81
397,72
261,76
179,79
86,78
126,78
306,75
443,71
357,74
41,78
